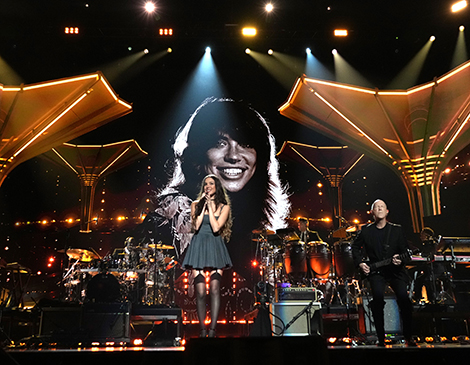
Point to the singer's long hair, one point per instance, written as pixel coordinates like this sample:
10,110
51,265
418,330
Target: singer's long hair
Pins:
220,197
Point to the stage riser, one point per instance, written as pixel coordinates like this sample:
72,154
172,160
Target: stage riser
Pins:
244,351
111,322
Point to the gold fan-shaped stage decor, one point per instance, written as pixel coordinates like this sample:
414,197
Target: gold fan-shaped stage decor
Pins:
416,132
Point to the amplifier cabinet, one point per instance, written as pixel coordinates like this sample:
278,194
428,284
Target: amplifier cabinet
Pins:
296,294
391,316
283,313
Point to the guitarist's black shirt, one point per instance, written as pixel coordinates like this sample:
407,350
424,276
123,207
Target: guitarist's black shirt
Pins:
380,244
378,236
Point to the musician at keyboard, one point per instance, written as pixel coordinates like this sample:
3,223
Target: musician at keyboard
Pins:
427,272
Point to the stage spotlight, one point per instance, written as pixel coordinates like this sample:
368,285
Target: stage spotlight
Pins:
269,7
270,52
129,49
169,50
71,30
461,28
165,32
308,51
146,51
249,32
247,51
208,49
432,38
341,33
334,51
150,7
459,6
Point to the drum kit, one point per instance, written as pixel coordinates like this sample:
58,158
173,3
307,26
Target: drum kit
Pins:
136,273
285,260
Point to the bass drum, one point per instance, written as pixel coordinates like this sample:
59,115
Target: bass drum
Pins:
319,259
344,264
295,261
104,288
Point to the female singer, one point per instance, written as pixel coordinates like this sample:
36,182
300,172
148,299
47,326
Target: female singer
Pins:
212,224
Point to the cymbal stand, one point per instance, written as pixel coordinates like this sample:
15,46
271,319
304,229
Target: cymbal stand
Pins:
336,279
348,309
67,281
172,286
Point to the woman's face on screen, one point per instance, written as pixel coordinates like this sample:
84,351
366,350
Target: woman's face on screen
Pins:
234,164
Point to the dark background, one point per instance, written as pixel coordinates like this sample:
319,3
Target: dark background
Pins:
384,37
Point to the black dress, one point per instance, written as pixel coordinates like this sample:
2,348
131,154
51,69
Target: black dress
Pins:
207,250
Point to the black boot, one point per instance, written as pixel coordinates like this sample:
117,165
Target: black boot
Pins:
378,315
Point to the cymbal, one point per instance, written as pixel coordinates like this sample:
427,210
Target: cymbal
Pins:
82,254
18,267
285,231
161,246
263,231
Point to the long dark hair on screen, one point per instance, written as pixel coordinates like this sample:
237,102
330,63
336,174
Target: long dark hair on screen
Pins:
216,116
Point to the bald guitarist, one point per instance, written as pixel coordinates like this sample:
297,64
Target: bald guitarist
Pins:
385,245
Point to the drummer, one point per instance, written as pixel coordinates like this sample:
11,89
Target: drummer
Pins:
305,234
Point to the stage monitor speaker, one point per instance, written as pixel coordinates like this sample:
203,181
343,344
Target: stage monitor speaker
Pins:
283,313
59,320
106,321
391,316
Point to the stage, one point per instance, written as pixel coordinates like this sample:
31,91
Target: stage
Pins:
247,350
106,334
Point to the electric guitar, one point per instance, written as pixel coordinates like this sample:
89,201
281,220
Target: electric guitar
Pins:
405,256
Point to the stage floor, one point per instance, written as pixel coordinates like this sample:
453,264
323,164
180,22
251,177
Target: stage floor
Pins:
249,350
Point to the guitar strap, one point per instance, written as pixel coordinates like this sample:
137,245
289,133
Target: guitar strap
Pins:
387,239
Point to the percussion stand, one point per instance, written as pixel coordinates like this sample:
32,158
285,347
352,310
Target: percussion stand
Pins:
337,294
348,309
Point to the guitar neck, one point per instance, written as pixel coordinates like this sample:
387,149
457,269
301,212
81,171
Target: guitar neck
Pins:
376,265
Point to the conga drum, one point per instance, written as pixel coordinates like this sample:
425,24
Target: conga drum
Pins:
295,261
343,260
319,259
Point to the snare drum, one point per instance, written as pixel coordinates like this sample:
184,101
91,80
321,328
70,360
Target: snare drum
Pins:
319,259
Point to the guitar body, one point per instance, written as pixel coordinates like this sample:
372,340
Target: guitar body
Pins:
374,267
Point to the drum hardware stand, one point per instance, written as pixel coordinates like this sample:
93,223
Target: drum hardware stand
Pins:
172,286
2,332
443,294
348,309
336,282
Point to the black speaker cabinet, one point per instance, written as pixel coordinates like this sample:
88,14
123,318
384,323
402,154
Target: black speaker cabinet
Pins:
106,321
283,314
60,320
391,316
